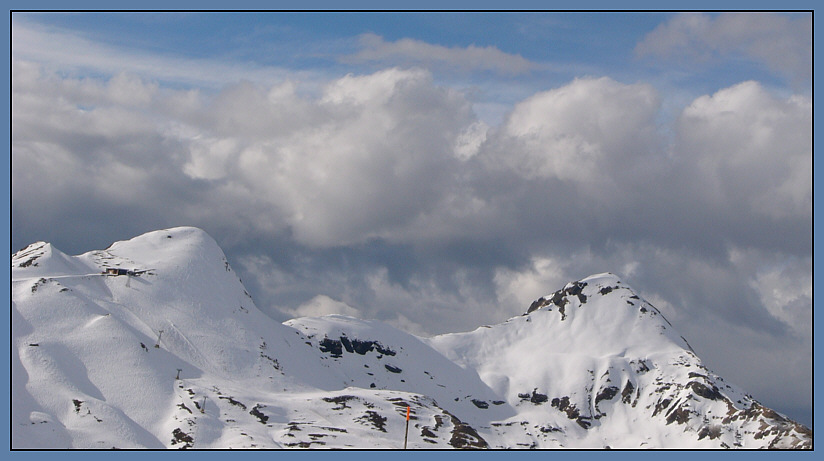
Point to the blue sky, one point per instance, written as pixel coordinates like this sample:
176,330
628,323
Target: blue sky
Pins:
558,46
439,171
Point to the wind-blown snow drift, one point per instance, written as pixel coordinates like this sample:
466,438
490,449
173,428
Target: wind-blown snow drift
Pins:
175,354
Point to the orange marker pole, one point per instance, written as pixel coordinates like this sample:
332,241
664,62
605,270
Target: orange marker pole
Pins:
406,435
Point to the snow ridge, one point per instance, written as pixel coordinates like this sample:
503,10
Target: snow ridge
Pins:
155,343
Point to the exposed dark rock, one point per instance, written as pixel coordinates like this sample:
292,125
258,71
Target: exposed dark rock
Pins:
703,391
37,284
559,298
336,347
641,366
181,437
439,420
392,369
362,347
605,290
426,432
563,405
27,263
480,404
537,304
577,289
340,400
571,411
183,406
660,406
32,251
347,344
258,414
537,398
626,394
378,347
772,425
304,444
607,393
401,405
233,402
274,362
678,414
713,432
293,426
334,429
465,436
378,421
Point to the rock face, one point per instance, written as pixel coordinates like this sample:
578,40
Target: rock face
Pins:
172,353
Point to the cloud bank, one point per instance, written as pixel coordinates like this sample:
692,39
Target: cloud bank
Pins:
383,195
781,42
408,51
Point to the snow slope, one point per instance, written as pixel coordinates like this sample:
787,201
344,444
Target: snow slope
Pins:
594,365
176,355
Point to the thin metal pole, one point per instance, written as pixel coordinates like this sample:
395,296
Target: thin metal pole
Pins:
406,435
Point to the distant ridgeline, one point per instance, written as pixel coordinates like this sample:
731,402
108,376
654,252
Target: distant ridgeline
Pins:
107,353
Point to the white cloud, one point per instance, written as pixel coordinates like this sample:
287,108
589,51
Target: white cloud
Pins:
130,90
787,293
361,160
391,155
324,305
470,140
520,288
416,52
751,148
579,132
384,191
209,158
781,41
784,286
380,152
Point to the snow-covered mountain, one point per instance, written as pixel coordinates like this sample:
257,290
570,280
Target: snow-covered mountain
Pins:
167,349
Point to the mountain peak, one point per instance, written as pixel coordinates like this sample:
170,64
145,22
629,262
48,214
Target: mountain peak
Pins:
604,284
42,258
604,305
175,354
594,349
